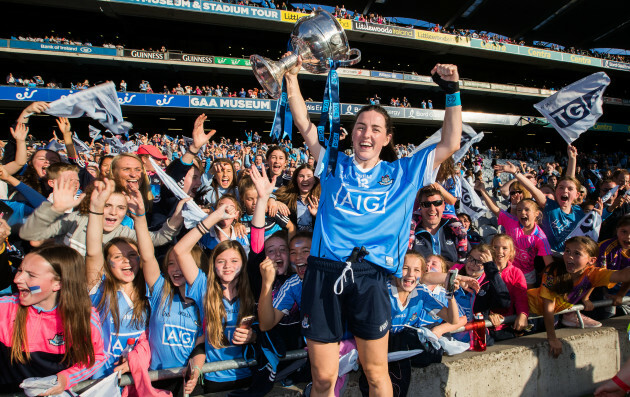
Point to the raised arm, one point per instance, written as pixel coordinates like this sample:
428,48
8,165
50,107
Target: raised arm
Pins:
299,111
572,153
200,138
264,188
268,316
183,248
481,189
452,128
510,168
505,188
150,265
19,134
64,127
35,107
448,197
94,258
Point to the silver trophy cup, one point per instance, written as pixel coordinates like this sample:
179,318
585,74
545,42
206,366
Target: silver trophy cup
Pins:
317,38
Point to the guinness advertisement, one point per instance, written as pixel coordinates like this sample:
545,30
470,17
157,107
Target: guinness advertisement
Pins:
178,56
382,29
145,54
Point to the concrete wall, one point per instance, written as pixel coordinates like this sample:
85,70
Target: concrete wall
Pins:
522,367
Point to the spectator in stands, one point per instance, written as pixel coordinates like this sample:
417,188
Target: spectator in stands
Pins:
503,254
436,234
49,328
560,216
226,298
566,283
301,196
123,86
116,284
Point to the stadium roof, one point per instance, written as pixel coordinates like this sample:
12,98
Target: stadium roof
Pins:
572,23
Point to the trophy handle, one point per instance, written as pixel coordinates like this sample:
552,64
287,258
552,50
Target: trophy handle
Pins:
352,61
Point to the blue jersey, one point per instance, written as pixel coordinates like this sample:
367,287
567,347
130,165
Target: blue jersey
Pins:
197,292
173,330
557,225
210,239
115,342
289,295
421,309
370,208
454,187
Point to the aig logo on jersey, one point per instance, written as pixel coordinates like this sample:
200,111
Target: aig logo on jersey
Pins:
173,335
358,203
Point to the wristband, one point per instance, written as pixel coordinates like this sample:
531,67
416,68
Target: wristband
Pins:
191,152
453,100
623,385
95,213
134,214
450,87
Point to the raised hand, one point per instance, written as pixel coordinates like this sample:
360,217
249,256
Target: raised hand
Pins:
507,167
64,125
480,186
100,194
447,72
20,132
263,186
295,69
572,151
226,211
200,138
135,203
313,204
268,272
64,191
36,107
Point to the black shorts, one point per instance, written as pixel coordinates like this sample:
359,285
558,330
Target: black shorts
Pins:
363,306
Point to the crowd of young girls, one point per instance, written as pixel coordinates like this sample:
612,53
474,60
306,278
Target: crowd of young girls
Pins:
95,266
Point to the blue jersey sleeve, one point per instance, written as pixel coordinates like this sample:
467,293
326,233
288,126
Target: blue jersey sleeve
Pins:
155,294
418,169
289,294
197,291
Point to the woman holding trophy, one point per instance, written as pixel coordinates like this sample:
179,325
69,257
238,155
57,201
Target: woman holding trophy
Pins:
360,236
362,226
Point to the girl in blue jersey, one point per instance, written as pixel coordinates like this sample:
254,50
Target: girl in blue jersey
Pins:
361,201
175,323
116,285
225,298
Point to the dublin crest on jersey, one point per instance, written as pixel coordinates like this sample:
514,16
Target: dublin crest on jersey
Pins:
385,180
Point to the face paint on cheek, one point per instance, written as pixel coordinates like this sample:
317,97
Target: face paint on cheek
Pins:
35,289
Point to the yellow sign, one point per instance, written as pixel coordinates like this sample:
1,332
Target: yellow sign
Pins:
345,23
442,38
290,16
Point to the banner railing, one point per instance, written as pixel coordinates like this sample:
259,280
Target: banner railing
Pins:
171,373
